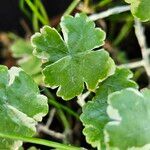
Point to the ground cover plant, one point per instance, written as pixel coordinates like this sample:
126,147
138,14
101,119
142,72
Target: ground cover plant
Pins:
71,64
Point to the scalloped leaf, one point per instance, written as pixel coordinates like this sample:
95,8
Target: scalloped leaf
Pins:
27,61
94,116
21,105
140,9
129,111
71,62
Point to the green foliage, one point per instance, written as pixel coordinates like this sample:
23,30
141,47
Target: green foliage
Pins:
21,105
22,50
118,116
94,116
71,62
129,111
140,9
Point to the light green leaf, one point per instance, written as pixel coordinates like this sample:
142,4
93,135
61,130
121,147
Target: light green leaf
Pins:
129,111
94,116
140,9
6,144
21,48
71,62
21,105
49,45
27,61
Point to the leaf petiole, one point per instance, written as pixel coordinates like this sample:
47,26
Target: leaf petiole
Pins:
41,142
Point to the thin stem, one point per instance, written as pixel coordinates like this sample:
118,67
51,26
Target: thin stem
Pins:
133,65
60,106
35,19
124,30
109,12
67,131
139,31
71,7
40,142
42,9
48,93
50,118
82,97
22,7
34,9
45,129
35,23
53,102
102,4
64,119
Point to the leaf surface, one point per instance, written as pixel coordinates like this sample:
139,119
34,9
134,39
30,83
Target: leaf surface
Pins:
140,9
22,50
94,116
129,111
71,61
21,105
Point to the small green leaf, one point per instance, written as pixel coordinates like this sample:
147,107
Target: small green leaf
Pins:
71,62
21,105
140,9
6,144
49,45
21,48
129,111
27,61
94,116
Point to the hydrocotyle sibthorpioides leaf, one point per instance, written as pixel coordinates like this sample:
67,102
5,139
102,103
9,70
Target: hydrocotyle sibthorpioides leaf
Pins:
140,9
94,116
129,111
71,61
22,50
21,105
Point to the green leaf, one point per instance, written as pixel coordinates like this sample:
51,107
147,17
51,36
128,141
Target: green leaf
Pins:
129,111
94,116
21,105
6,144
21,48
49,45
27,61
140,9
71,62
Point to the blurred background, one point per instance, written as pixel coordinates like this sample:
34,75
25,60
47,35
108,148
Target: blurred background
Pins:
127,41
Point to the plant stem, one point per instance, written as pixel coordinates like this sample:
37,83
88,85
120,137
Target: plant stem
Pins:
67,131
22,7
41,142
58,105
109,12
133,65
124,31
53,102
34,9
35,19
52,133
64,119
139,32
43,10
71,7
102,4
